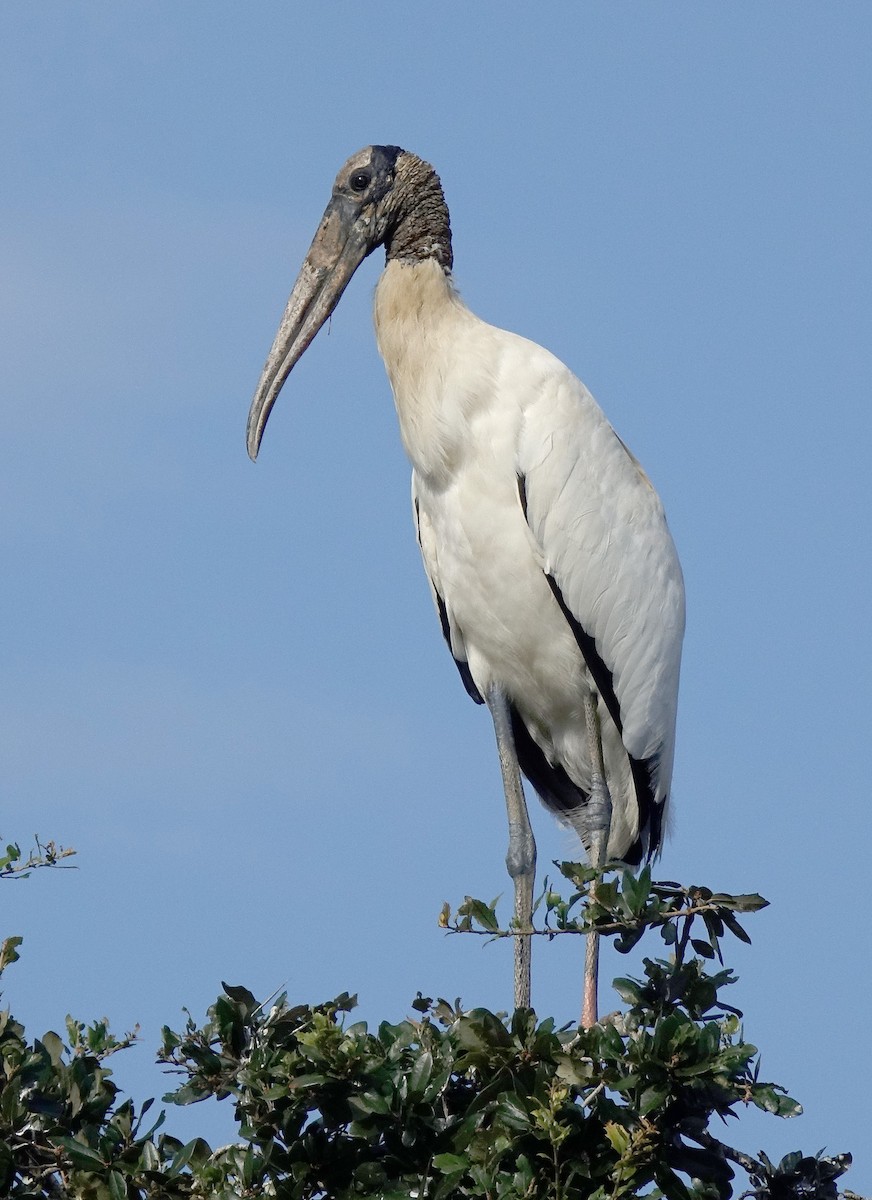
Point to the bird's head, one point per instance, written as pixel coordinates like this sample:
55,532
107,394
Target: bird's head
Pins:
382,196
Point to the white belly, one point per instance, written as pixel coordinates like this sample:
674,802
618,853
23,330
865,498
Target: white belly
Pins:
498,599
507,625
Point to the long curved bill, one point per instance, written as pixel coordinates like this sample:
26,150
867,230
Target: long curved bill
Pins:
339,247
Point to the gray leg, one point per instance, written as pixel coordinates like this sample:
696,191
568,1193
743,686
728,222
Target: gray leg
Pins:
521,858
599,819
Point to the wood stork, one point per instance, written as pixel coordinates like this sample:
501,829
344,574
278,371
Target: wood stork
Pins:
553,572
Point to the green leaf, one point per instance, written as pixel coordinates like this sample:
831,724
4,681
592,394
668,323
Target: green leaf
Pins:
241,995
618,1136
625,941
788,1107
13,853
9,951
149,1157
117,1186
80,1155
370,1102
628,989
419,1076
483,914
54,1047
635,889
751,903
671,1185
772,1099
651,1099
193,1151
511,1110
735,928
188,1093
450,1164
579,1071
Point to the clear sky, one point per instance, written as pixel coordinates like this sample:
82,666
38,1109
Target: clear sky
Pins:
224,684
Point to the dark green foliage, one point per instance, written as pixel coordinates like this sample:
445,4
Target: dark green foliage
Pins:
797,1176
62,1132
447,1103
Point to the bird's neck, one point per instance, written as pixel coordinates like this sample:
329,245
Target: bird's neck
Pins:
423,229
415,302
419,320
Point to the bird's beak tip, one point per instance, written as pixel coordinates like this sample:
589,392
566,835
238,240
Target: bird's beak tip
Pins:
253,437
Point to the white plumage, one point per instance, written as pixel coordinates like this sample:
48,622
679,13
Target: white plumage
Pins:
481,409
552,569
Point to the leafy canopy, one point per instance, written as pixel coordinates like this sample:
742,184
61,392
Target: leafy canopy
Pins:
449,1102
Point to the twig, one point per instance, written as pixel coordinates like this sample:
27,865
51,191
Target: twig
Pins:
611,927
745,1161
591,1096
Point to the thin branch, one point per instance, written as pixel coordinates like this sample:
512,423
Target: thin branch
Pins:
591,1096
608,928
47,854
745,1161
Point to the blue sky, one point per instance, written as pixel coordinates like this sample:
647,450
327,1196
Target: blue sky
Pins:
224,684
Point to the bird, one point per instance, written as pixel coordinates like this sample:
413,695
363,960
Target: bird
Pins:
552,570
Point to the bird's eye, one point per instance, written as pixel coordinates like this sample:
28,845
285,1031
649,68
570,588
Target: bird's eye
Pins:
359,181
